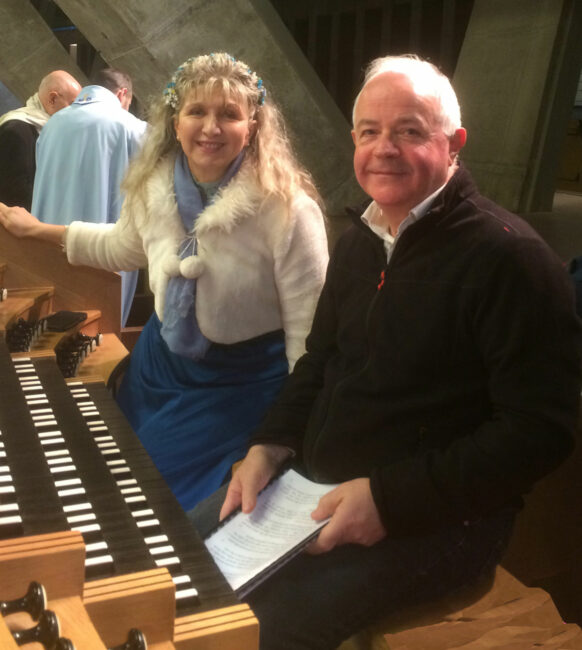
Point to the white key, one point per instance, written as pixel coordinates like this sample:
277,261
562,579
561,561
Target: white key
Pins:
185,594
137,499
79,519
89,528
167,561
147,512
162,550
96,546
76,507
67,482
61,469
156,539
100,559
71,493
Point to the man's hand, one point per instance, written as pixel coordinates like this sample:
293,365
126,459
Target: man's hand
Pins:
20,223
354,517
256,470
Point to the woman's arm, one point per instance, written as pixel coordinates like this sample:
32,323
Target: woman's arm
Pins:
300,264
20,223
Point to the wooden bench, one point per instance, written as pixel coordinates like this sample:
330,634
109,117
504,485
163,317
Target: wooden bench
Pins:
538,586
505,615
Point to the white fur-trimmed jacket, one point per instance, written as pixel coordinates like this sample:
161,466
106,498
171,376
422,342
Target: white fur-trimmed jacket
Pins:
258,268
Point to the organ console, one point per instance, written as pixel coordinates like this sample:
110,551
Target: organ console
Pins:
83,510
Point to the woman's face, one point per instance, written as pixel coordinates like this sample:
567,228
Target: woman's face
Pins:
212,130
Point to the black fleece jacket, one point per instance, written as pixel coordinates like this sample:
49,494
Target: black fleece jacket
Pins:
453,382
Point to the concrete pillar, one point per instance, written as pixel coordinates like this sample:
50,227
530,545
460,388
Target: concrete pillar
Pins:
29,50
516,80
150,38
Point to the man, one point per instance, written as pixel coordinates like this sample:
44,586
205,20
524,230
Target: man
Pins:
82,157
19,131
441,380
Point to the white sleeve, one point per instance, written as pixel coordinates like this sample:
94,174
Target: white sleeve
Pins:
301,259
113,247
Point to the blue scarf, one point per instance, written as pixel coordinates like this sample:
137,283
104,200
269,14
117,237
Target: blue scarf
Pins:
180,328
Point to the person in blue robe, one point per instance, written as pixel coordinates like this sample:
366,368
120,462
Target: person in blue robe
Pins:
82,157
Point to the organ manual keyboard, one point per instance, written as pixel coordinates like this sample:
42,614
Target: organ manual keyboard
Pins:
70,464
36,281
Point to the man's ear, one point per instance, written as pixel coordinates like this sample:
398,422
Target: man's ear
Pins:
52,97
457,142
122,95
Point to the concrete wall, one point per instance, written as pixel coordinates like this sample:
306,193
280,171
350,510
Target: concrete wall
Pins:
516,79
29,49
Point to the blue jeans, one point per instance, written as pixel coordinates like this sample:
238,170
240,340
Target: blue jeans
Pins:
316,602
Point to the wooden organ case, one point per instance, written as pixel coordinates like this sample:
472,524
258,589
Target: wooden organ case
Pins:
82,507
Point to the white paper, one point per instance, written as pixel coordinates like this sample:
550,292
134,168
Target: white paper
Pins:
249,543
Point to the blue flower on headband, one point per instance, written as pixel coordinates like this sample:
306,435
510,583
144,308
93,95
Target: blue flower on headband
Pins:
262,91
171,96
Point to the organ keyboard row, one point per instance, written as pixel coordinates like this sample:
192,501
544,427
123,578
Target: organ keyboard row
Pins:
70,461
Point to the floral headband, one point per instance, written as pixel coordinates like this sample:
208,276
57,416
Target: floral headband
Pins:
171,96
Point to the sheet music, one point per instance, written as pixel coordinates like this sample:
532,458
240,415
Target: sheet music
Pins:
248,544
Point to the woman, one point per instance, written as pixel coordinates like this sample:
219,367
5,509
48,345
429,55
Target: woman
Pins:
230,229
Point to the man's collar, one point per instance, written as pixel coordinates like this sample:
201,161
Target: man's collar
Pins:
95,93
373,214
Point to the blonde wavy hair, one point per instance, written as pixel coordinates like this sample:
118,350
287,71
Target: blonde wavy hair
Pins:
270,154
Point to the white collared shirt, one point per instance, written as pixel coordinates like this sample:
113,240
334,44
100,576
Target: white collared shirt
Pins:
373,214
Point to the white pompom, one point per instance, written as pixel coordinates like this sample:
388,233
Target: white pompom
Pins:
171,265
191,267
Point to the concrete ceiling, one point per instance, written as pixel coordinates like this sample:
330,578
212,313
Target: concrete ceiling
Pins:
29,49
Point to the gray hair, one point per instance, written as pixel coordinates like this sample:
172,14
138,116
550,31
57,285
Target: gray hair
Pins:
426,79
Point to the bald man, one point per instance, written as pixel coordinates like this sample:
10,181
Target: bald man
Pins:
19,130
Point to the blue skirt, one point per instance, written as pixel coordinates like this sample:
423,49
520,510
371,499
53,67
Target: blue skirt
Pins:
195,418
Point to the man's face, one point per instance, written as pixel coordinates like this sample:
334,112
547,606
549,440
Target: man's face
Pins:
402,155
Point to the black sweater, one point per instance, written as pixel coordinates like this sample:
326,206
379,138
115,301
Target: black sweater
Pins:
17,162
454,383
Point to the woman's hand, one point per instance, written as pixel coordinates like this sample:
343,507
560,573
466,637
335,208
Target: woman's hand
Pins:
256,470
20,223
